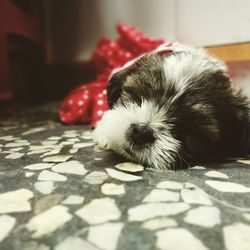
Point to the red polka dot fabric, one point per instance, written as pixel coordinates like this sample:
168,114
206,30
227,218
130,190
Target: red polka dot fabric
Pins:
87,103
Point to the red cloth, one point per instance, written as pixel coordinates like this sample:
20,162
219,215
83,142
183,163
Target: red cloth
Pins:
88,102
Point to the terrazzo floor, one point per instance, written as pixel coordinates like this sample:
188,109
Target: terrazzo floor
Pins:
57,191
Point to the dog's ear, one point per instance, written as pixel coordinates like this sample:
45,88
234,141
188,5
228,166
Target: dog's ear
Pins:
114,87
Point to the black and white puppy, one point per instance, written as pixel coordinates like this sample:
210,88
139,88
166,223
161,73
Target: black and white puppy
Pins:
173,107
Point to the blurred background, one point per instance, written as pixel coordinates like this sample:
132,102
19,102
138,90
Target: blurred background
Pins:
46,45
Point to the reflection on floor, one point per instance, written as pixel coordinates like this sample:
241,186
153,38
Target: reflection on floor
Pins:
58,192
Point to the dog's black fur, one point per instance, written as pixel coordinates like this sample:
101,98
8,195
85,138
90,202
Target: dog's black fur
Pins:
210,118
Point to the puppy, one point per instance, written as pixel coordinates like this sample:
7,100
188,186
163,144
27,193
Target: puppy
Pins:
174,107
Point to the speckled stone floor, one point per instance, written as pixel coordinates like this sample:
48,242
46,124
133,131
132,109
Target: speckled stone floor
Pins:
58,192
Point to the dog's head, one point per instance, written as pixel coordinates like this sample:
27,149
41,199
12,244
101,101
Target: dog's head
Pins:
165,108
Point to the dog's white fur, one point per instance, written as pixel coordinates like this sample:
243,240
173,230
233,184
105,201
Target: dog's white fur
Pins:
110,132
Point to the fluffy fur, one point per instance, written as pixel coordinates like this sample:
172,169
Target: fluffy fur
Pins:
183,107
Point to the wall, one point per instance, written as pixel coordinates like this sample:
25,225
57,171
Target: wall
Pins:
213,22
73,28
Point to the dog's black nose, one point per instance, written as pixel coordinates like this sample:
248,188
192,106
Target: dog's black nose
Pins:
141,134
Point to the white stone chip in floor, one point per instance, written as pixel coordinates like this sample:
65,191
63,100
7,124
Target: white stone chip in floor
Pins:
47,175
73,200
99,211
198,167
161,195
73,135
203,216
70,167
15,201
174,185
19,140
34,130
7,223
54,138
105,236
16,144
22,141
113,189
122,176
8,138
48,221
129,167
39,166
96,177
236,236
177,239
158,223
74,150
57,158
229,187
216,174
14,155
193,195
44,187
87,135
52,152
38,151
98,159
6,152
66,143
152,210
29,174
16,149
75,243
40,147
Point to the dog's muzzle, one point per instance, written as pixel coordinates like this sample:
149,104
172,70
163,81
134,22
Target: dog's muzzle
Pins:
140,134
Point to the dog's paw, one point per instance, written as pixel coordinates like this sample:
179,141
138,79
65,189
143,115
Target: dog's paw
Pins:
100,140
102,143
102,131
